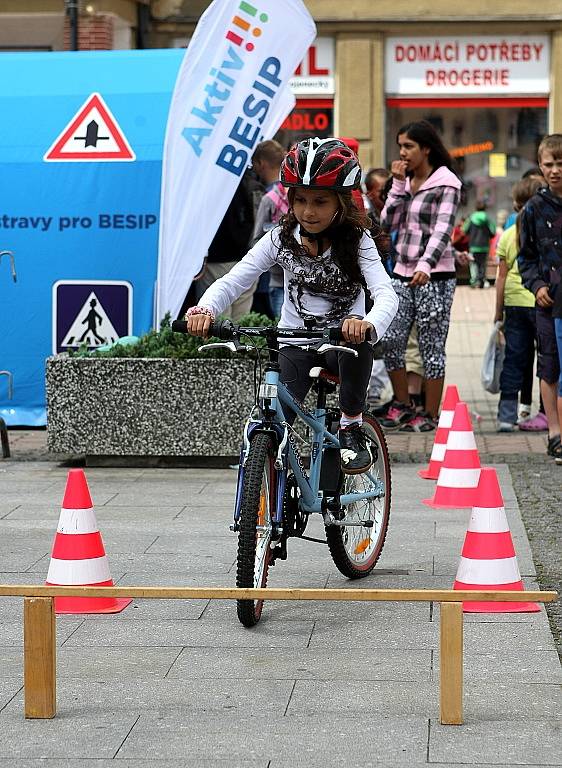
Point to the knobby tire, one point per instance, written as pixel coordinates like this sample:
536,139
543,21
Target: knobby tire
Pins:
257,507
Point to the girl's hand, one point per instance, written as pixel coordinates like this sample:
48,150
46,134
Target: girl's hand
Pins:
461,258
419,278
198,325
398,169
354,330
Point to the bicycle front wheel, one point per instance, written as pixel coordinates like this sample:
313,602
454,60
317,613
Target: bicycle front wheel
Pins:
257,512
356,549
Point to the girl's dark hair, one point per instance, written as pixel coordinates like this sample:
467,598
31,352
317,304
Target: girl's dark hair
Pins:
345,233
424,134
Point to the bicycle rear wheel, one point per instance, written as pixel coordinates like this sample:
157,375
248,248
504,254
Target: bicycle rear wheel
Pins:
356,549
257,512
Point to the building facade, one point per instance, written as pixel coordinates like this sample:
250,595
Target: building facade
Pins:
489,78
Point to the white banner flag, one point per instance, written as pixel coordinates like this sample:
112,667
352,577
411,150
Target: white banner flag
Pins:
231,93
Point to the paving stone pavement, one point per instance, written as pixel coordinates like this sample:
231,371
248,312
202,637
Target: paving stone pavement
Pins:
181,683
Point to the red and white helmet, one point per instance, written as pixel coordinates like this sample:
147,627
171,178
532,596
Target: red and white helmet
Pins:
325,163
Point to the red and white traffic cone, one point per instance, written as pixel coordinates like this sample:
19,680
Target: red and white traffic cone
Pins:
442,433
460,471
78,557
488,559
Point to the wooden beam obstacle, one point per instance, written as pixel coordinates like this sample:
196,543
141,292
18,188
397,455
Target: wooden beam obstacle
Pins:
40,627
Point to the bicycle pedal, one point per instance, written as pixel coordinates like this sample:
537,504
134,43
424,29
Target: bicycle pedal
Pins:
334,510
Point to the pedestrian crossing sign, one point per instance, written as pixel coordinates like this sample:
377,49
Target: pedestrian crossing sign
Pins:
92,312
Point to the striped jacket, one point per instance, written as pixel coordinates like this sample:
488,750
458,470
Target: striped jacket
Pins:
423,222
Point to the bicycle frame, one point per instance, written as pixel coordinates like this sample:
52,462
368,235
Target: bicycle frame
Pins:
273,395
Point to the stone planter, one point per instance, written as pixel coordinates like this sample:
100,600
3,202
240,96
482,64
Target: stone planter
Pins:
141,407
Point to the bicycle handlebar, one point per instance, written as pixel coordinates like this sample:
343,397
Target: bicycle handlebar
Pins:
227,331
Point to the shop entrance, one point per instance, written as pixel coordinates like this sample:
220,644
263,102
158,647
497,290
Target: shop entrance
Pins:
493,141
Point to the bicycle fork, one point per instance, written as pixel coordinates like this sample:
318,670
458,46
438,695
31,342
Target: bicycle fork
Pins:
280,464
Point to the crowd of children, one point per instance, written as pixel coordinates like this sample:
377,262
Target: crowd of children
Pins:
316,249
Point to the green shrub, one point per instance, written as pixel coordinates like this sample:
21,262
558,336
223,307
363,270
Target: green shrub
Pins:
166,343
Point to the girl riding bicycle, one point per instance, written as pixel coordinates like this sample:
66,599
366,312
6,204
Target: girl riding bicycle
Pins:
327,255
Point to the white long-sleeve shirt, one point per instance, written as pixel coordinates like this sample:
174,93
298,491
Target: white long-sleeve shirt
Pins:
315,287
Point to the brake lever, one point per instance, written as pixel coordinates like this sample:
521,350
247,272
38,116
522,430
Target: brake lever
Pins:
233,346
328,347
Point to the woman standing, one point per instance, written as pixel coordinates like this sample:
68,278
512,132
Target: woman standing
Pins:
420,208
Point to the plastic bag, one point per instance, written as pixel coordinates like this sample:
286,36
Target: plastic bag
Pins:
492,362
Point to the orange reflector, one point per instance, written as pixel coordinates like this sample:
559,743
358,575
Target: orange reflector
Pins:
261,511
362,546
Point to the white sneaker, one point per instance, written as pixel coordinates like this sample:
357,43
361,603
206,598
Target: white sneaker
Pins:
523,412
505,426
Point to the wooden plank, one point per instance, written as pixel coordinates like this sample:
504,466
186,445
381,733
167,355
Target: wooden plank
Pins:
232,593
451,673
39,672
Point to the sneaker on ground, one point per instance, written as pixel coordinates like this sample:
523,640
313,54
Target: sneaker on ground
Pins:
354,451
553,445
380,410
523,412
505,426
397,414
536,423
421,422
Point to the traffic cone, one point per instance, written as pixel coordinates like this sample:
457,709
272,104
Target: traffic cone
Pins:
78,557
488,559
460,471
445,421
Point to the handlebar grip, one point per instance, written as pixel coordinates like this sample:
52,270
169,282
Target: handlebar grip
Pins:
337,335
223,329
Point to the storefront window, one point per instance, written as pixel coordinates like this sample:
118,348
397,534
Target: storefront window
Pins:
492,145
310,117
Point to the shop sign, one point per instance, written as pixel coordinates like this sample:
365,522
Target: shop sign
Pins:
467,65
315,74
315,122
472,149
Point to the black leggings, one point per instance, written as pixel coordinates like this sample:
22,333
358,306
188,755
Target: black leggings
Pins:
354,373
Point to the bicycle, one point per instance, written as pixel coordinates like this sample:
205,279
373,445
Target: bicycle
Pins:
275,494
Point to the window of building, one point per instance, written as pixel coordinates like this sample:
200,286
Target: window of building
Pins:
493,141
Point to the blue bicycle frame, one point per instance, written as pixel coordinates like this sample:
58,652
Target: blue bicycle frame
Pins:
272,395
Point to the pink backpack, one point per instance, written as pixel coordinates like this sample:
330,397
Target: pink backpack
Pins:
278,195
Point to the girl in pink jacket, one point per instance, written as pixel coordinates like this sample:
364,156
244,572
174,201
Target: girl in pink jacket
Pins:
420,209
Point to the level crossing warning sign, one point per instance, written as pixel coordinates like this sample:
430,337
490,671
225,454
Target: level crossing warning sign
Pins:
90,312
92,134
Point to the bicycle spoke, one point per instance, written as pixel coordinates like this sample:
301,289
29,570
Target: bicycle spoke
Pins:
355,549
